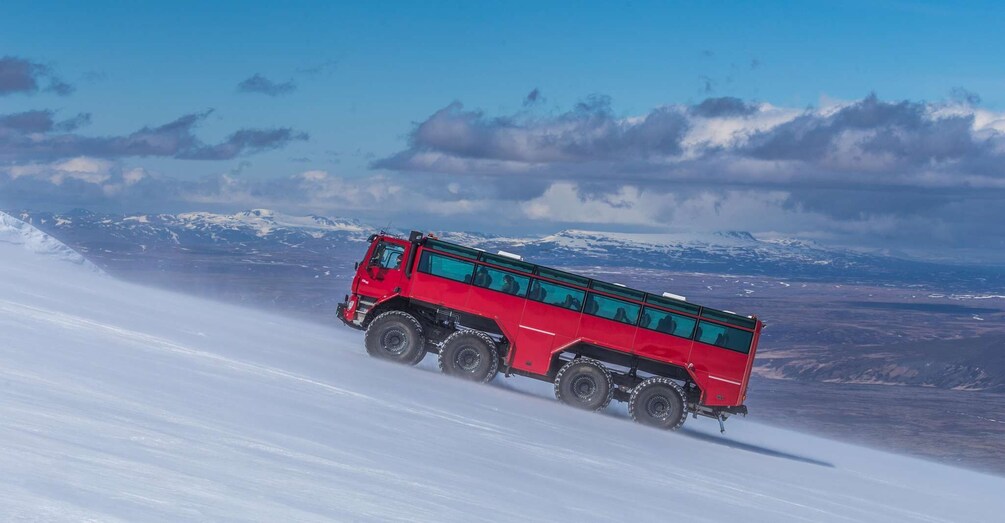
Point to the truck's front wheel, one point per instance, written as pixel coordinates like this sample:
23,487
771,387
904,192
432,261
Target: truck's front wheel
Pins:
471,355
395,336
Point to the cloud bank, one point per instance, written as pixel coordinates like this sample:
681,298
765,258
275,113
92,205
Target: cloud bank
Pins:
262,85
872,173
21,76
35,136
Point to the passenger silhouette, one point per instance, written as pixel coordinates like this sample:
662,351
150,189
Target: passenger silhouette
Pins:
482,278
646,318
666,325
510,286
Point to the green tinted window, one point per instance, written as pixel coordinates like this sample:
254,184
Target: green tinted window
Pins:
452,249
618,290
553,294
509,263
611,309
446,267
389,255
723,336
667,322
501,281
673,304
563,276
726,317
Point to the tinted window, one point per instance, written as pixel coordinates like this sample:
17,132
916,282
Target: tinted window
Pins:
726,317
501,281
673,304
553,294
510,263
612,309
452,249
725,337
667,322
618,290
446,267
563,276
390,255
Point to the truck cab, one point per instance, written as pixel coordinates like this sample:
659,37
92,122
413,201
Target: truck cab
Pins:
379,276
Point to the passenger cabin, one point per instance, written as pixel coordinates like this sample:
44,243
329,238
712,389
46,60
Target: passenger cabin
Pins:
544,311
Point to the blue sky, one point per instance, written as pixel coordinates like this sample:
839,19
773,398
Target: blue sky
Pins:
362,77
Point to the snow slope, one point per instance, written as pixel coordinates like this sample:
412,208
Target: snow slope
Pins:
124,403
17,232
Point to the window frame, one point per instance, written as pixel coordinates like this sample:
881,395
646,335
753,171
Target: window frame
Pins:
618,290
556,275
582,299
450,248
727,328
382,250
430,272
593,295
727,318
688,309
523,292
690,336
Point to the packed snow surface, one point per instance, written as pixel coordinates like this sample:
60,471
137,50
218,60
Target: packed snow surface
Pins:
123,403
17,232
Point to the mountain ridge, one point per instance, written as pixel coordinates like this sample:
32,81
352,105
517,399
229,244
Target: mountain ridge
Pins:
259,231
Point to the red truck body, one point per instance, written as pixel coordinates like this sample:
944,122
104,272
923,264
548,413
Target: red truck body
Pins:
522,305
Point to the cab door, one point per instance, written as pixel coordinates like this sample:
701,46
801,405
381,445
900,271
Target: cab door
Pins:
384,269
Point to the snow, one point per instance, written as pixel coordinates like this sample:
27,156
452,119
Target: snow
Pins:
16,232
264,221
122,403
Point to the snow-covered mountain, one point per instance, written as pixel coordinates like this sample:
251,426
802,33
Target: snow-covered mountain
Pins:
127,403
283,236
17,232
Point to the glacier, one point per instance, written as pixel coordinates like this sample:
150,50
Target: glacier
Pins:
124,403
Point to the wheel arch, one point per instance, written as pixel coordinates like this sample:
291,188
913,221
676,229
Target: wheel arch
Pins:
394,303
623,359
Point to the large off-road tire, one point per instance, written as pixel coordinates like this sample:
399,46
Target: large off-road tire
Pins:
395,336
658,402
471,355
584,383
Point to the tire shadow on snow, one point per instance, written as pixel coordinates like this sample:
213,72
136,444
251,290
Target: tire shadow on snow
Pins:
541,390
726,442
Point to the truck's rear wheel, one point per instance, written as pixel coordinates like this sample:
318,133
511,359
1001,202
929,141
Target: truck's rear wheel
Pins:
658,402
584,383
395,336
471,355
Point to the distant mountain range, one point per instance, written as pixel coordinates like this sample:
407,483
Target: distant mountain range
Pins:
303,264
264,236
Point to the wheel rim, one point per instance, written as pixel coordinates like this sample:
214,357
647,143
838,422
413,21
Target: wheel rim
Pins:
394,341
584,387
659,407
467,359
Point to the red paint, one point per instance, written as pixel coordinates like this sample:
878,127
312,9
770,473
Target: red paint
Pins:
537,330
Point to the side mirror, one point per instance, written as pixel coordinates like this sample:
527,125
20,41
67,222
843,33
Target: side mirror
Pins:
355,266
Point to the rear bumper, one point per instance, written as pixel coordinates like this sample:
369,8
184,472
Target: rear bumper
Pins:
739,409
723,412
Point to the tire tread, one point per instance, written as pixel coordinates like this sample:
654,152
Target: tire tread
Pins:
586,361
